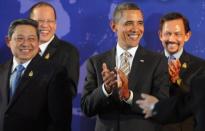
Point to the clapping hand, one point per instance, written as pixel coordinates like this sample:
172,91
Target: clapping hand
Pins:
147,104
109,78
124,92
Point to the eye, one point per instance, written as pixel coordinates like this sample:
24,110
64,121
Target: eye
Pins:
31,39
129,23
19,39
40,21
46,21
140,23
178,34
50,21
167,34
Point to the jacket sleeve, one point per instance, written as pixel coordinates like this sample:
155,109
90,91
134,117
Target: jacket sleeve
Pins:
93,99
59,102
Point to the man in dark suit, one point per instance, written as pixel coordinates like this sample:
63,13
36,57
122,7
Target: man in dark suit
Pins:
114,107
178,108
33,92
174,32
53,49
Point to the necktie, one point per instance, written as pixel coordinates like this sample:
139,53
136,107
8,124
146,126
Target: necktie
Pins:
40,52
171,57
17,77
124,64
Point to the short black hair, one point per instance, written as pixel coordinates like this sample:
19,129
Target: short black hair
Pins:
121,7
40,4
174,16
17,22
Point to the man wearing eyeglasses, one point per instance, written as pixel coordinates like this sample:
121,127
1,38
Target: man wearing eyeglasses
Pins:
51,47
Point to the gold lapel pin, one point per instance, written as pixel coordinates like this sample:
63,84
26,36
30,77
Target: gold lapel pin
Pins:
184,65
47,56
30,74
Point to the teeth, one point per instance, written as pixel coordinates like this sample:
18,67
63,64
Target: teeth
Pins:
44,31
25,50
134,36
171,45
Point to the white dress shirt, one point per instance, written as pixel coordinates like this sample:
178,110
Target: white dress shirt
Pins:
119,51
176,55
43,46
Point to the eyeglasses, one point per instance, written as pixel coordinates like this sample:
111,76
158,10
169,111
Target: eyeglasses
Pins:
46,21
23,39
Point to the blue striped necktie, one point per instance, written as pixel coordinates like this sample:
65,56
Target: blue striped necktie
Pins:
17,77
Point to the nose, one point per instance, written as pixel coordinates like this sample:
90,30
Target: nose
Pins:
172,38
43,24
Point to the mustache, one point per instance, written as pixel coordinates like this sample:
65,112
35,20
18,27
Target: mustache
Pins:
169,42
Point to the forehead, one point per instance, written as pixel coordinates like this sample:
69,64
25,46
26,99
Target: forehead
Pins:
135,15
43,11
174,25
25,30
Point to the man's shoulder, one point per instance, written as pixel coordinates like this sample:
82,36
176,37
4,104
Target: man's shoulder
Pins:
64,45
103,55
153,55
42,65
5,64
194,58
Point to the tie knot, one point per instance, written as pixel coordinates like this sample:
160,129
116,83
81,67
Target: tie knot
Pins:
20,68
126,54
171,57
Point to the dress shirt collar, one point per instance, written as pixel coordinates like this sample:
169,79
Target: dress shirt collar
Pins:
43,46
176,55
15,64
120,50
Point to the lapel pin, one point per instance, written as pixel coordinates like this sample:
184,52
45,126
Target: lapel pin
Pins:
184,65
30,74
47,56
142,61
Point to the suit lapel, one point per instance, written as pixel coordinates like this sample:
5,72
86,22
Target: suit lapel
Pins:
29,74
136,69
110,59
51,49
185,63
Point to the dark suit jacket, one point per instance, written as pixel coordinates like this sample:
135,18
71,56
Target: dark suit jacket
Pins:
41,101
191,67
178,108
66,55
148,75
199,98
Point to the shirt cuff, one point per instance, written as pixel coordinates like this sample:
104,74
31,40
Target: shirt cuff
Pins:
105,92
129,101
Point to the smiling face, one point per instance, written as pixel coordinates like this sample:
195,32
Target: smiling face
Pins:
173,35
23,43
129,28
47,22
